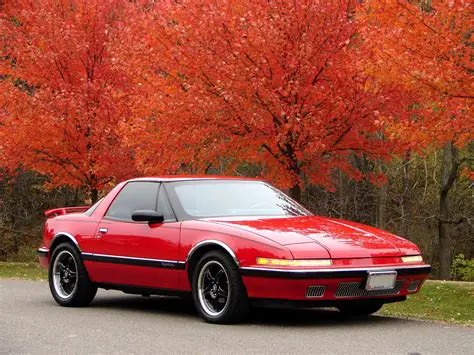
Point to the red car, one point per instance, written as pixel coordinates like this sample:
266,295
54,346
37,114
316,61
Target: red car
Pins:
230,243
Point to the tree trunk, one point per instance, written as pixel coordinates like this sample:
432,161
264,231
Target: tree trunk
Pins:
449,173
15,236
94,195
295,192
404,208
382,192
76,197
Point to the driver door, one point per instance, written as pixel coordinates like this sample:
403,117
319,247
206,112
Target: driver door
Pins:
133,253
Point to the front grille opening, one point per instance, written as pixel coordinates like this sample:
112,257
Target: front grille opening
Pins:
356,289
315,291
413,286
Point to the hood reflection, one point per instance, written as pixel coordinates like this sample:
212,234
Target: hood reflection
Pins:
341,238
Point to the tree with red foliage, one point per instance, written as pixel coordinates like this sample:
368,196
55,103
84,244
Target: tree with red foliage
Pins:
426,47
276,83
61,97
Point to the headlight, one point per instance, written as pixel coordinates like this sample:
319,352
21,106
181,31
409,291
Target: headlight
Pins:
284,262
412,259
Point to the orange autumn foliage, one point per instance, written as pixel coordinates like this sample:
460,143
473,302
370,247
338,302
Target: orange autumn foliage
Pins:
427,48
275,83
102,90
61,98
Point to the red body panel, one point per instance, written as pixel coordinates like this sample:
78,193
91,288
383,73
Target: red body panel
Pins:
348,244
341,239
64,210
287,289
137,241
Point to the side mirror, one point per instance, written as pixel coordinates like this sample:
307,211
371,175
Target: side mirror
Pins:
149,216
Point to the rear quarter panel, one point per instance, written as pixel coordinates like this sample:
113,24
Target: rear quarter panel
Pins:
79,225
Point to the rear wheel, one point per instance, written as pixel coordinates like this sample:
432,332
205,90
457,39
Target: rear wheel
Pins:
218,291
360,308
68,280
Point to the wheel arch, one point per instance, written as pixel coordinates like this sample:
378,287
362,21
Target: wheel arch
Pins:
63,237
198,250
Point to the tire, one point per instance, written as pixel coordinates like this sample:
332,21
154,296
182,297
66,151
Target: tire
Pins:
359,308
68,279
219,296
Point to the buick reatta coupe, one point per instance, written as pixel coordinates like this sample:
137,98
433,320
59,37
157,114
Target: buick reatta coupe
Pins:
227,242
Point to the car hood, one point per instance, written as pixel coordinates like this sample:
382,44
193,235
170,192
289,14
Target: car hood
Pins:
342,239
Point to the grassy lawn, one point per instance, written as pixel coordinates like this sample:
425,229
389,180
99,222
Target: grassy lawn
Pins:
444,301
29,271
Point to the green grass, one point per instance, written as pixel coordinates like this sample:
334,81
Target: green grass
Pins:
442,301
29,271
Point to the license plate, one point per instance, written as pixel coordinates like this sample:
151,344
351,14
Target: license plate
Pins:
381,280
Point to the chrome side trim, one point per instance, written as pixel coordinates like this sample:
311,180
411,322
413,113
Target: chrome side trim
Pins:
387,268
42,252
216,242
133,258
66,235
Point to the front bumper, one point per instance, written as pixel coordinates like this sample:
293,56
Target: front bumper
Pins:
329,284
331,273
43,256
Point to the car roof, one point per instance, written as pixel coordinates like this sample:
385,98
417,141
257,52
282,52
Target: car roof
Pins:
166,178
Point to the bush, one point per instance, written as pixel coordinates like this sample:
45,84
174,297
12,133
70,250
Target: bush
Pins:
463,269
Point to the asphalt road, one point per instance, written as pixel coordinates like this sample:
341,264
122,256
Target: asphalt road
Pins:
31,322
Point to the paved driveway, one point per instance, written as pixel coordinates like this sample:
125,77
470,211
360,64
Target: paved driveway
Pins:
31,322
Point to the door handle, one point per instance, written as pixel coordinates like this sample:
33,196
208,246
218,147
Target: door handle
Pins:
102,231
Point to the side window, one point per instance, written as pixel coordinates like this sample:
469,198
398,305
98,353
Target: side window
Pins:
164,205
91,209
134,196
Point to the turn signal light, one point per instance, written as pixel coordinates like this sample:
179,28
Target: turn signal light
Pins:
284,262
412,259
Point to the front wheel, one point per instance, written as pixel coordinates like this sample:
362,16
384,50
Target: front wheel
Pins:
218,291
68,280
359,308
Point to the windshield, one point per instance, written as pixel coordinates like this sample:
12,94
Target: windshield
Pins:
225,198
